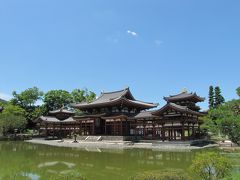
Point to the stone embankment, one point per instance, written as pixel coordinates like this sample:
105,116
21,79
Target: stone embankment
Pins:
155,145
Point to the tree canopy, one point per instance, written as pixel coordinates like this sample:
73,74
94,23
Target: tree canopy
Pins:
238,91
82,95
225,119
211,97
12,117
211,165
218,98
55,99
27,98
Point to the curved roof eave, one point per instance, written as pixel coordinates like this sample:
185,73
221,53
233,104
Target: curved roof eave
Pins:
175,106
115,101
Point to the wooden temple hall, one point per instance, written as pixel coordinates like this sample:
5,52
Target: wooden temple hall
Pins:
120,114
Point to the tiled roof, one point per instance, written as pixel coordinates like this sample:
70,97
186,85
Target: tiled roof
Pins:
183,109
51,119
61,110
115,97
184,95
145,114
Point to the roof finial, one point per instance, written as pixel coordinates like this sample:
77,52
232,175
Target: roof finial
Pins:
184,90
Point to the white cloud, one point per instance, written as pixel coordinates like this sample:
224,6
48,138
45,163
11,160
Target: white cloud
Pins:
132,33
158,42
5,96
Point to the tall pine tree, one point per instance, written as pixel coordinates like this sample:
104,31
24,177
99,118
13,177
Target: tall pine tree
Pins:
211,97
219,99
238,91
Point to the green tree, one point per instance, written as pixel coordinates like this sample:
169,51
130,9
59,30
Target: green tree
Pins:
238,91
219,99
225,119
27,100
230,120
211,97
56,99
211,165
12,118
82,95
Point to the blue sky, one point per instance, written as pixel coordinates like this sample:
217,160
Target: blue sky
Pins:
155,47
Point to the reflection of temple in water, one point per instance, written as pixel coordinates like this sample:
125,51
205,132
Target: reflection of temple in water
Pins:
48,161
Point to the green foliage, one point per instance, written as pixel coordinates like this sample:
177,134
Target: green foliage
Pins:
167,174
56,99
12,118
211,97
210,165
84,95
219,99
238,91
27,98
225,119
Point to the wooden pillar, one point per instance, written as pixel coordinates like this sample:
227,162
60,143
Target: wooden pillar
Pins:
144,130
105,127
61,135
188,131
175,137
126,127
168,134
153,130
53,130
80,128
183,132
121,128
113,126
46,130
93,127
163,132
193,130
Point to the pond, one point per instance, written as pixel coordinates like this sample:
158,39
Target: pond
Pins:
21,160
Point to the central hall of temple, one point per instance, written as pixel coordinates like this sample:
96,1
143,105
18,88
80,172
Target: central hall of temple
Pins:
119,114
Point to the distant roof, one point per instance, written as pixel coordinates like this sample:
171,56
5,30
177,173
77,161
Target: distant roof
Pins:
61,110
183,96
145,114
51,119
176,107
114,98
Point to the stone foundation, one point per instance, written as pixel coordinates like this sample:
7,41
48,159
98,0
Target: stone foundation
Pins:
112,138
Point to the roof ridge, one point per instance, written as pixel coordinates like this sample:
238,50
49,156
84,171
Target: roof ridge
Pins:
110,92
181,93
145,102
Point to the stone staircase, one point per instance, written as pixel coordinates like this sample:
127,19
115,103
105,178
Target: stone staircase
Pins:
93,138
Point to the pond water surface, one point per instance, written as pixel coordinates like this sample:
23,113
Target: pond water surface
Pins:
21,160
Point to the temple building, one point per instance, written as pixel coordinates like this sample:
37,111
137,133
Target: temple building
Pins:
119,114
58,123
